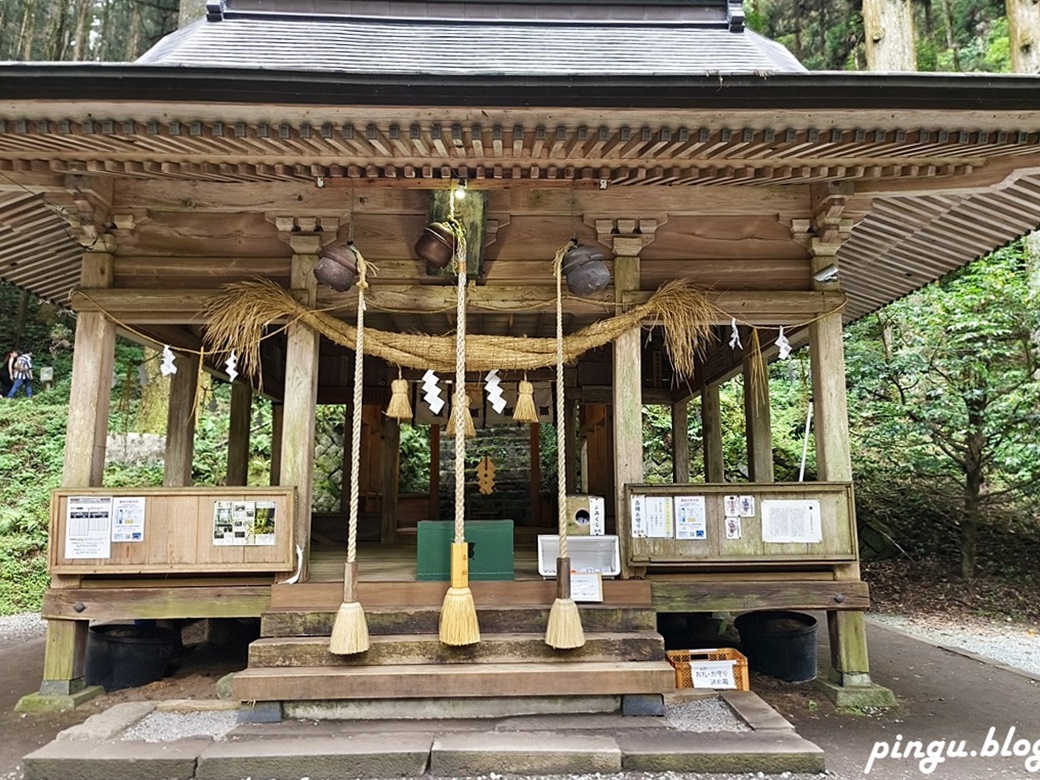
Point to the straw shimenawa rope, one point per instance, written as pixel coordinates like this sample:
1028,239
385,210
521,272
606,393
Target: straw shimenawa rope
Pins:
350,629
240,315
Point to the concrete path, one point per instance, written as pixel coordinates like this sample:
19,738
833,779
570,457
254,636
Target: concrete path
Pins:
944,697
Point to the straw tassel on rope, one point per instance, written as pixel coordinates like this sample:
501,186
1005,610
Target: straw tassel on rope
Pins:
525,410
350,628
564,630
400,407
458,624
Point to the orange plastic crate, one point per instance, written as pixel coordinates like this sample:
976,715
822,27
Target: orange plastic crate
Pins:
684,662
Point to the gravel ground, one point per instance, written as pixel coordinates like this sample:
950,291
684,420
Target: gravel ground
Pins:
171,726
1007,643
15,629
703,715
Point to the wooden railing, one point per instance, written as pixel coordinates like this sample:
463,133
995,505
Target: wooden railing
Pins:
184,530
737,523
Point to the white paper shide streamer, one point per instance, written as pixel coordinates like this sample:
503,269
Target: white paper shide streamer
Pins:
783,346
231,366
734,335
493,387
167,367
432,392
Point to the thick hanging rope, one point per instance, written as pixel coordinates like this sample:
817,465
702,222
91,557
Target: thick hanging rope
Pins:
350,629
458,624
564,630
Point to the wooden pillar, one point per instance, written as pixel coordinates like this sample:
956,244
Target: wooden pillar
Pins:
277,416
535,450
758,425
238,434
570,436
711,431
180,422
627,401
435,471
84,465
301,392
850,664
680,442
391,478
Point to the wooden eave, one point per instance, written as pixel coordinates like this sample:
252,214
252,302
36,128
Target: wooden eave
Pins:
193,190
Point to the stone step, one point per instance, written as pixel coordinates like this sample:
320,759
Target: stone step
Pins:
395,649
425,620
416,681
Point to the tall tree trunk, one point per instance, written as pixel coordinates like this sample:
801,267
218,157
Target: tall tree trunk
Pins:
20,317
155,396
974,478
1024,35
888,27
81,41
190,11
28,33
951,41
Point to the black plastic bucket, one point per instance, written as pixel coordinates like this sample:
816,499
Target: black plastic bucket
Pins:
780,644
124,656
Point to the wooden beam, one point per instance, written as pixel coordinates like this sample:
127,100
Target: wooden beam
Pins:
160,602
238,434
64,656
277,427
741,596
187,306
830,407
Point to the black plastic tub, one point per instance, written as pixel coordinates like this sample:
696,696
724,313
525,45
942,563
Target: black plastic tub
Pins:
780,644
125,656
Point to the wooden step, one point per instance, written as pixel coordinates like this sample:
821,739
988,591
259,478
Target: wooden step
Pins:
425,620
420,649
418,681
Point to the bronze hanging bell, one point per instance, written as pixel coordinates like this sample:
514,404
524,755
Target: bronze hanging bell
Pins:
585,271
337,267
436,245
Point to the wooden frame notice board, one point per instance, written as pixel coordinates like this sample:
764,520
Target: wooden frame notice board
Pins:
182,530
830,502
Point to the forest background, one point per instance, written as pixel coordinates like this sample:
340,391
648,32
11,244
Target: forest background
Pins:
944,398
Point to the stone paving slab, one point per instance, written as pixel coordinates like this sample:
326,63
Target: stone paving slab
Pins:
114,760
523,753
771,752
351,756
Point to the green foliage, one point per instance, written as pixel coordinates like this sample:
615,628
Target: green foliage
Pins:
828,35
101,30
23,573
415,459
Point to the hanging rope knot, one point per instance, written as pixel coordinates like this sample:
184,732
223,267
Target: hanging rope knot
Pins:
364,268
561,253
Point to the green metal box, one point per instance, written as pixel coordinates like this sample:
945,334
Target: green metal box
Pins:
490,549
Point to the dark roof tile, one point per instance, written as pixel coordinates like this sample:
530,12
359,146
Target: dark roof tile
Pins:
383,46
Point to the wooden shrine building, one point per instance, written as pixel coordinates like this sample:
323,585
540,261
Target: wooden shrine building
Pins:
662,132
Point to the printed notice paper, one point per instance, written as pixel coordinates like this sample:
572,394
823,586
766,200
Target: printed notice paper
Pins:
243,523
659,517
791,522
638,517
128,518
586,586
88,527
691,520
